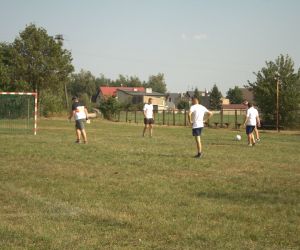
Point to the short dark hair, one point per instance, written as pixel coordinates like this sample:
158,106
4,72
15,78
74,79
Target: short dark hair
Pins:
250,104
74,98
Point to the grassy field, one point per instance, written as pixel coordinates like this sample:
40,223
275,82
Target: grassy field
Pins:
122,191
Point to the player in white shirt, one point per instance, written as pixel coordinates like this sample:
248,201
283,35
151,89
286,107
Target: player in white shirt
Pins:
251,121
80,114
148,117
255,129
196,118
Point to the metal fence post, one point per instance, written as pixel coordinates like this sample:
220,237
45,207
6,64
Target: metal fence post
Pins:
164,113
173,117
126,116
222,113
235,119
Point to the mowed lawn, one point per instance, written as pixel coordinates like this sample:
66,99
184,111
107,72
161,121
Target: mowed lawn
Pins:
122,191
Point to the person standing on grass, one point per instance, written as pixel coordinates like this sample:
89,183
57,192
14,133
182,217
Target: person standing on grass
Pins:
196,118
251,121
148,117
255,129
80,114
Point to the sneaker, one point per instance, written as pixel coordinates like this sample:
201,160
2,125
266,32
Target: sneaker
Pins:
77,141
199,155
257,140
249,145
85,142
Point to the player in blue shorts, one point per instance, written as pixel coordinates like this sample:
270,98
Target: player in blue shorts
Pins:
196,118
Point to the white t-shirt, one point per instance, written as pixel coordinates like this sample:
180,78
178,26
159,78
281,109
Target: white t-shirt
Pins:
148,109
252,113
198,111
79,111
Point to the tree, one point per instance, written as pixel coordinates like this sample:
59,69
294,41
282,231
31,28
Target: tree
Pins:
5,60
102,81
83,83
183,104
235,95
264,89
197,94
157,83
36,58
215,98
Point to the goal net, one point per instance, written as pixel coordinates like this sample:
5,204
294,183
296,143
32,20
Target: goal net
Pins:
18,111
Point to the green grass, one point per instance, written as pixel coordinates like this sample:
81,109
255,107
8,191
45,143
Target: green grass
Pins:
122,191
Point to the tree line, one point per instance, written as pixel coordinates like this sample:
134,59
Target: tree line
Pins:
36,61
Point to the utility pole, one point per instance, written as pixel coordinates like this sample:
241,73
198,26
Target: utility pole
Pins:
60,39
277,77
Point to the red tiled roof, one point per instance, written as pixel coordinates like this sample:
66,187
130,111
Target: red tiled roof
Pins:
234,106
112,91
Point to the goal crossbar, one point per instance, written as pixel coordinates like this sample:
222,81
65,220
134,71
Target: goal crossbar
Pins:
35,104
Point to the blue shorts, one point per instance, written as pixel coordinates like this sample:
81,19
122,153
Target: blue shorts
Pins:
249,129
197,131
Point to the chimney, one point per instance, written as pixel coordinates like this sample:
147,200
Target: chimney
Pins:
148,90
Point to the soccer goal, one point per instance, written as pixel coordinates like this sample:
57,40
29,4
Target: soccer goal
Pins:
18,111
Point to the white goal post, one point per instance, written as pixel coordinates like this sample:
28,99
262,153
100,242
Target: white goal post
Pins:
33,94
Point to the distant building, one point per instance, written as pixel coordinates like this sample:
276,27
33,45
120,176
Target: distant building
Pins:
173,99
105,92
204,100
141,97
230,109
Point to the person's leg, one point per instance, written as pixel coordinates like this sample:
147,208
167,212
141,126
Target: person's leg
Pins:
84,135
78,134
248,133
151,129
198,143
257,134
252,138
145,128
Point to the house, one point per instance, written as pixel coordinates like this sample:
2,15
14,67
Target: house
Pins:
141,97
230,109
204,100
173,99
105,92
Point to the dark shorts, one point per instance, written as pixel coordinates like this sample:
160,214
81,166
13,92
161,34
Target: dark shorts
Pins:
197,131
148,121
79,124
249,129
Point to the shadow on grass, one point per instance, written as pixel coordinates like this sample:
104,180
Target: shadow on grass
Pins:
268,197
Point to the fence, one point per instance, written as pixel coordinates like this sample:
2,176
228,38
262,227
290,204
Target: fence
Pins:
224,118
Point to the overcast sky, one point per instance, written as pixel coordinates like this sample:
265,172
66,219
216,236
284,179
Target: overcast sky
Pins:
195,43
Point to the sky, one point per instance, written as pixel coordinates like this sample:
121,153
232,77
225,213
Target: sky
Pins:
194,43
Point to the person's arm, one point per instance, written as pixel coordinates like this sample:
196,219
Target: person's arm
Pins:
71,114
245,120
144,111
209,115
86,113
190,117
258,120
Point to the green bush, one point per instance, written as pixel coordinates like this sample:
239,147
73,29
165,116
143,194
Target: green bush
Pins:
109,107
50,103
